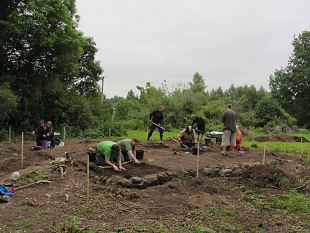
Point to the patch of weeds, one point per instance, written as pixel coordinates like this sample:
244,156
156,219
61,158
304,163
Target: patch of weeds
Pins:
26,208
26,223
72,224
202,229
119,229
255,199
31,177
217,212
294,205
162,228
134,195
84,208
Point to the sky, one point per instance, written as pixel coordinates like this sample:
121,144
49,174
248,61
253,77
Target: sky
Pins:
227,41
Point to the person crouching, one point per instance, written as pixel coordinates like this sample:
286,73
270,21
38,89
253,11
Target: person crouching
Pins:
187,137
108,152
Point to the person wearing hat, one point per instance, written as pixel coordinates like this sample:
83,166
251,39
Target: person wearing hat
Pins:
128,149
109,152
187,137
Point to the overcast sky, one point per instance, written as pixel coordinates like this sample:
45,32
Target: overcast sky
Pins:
227,41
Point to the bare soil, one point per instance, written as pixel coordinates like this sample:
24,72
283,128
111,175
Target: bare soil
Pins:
282,138
180,205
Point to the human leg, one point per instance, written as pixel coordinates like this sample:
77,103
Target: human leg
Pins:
152,128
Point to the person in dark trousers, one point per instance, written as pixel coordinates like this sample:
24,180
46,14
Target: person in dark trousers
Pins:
229,131
157,117
199,124
41,134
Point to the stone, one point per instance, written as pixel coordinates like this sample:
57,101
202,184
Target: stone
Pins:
150,179
226,172
136,180
125,183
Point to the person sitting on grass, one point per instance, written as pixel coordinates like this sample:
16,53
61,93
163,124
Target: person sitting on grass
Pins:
108,152
187,137
128,148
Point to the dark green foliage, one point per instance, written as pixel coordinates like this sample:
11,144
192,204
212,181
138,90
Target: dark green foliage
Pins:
49,65
291,85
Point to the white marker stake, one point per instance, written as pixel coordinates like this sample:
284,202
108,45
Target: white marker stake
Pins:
22,155
87,185
197,165
264,156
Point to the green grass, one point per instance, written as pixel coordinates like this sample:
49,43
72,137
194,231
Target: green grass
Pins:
142,135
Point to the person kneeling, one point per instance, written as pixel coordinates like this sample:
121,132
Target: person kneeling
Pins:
109,152
128,148
187,137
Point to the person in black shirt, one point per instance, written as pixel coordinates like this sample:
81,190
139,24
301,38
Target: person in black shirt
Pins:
156,117
200,125
41,137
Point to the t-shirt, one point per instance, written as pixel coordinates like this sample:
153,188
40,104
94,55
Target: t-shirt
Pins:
126,145
200,122
229,120
106,149
187,137
157,116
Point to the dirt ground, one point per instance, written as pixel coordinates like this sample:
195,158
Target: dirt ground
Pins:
281,138
183,203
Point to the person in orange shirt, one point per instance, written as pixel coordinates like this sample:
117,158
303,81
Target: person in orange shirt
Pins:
238,139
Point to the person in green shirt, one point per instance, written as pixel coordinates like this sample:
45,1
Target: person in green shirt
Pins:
108,152
128,148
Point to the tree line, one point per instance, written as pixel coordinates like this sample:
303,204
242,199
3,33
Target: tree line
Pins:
49,71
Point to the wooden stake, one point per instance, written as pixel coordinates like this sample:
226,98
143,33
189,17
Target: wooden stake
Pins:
197,165
22,152
109,132
10,134
87,179
64,134
264,156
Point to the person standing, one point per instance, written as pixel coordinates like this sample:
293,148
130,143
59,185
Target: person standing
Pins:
156,118
200,125
229,131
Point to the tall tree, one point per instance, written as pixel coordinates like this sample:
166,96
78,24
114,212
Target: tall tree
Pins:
291,85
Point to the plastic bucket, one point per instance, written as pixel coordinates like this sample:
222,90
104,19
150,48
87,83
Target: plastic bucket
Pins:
139,154
194,150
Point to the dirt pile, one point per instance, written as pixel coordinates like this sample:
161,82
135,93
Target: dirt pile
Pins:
281,139
262,176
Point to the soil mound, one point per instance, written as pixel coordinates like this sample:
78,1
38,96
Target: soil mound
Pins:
154,144
281,139
266,176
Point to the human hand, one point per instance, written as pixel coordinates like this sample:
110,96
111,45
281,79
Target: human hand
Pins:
116,168
121,168
137,161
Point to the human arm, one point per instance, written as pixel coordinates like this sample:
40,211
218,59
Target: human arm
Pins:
107,161
119,162
133,157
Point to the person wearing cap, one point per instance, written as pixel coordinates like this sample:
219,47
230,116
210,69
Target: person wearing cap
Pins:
238,139
109,152
229,131
200,124
187,137
128,149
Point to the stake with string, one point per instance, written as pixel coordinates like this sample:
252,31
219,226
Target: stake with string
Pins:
22,151
10,135
264,155
197,165
87,181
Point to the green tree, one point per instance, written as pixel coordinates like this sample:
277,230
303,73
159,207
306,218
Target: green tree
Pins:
198,83
291,85
8,102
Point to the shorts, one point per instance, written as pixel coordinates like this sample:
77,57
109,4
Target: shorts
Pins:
228,138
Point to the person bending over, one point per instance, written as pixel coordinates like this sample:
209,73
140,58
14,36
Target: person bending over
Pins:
200,125
109,152
187,137
128,149
156,118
